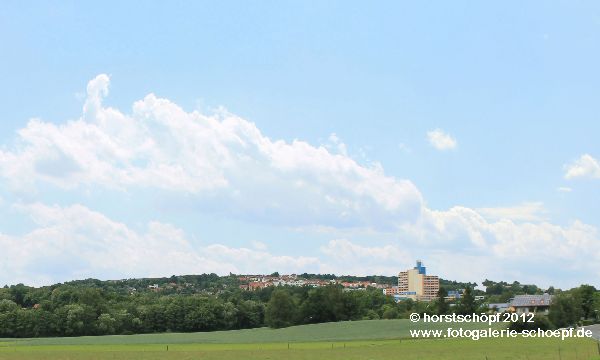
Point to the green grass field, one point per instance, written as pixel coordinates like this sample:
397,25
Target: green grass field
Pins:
341,331
377,339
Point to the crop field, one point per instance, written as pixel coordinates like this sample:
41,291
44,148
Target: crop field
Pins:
382,339
340,331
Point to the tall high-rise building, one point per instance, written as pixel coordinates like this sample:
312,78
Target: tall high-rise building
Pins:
417,285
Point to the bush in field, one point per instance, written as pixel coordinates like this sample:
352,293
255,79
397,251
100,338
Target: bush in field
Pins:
371,315
389,312
539,322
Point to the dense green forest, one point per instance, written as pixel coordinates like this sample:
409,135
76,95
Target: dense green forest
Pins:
182,304
209,302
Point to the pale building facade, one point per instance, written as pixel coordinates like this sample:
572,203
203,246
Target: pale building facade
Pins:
417,285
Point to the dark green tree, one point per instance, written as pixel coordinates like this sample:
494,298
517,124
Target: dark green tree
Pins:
389,312
371,315
250,314
281,310
325,304
584,296
564,311
8,306
442,305
597,306
467,302
106,324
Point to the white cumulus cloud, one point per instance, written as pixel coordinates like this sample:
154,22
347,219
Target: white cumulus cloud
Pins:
75,242
219,159
223,164
537,251
584,167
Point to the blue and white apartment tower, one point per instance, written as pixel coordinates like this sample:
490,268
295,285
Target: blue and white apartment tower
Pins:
417,285
420,268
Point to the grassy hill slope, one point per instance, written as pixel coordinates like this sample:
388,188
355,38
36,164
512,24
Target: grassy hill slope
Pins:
340,331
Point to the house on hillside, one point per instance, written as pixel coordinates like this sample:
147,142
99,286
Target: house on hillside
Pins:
391,291
522,304
454,295
256,285
499,307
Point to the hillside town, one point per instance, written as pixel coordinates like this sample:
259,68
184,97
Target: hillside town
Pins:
256,282
413,284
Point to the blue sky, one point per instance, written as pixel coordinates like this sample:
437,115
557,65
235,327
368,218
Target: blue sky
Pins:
309,136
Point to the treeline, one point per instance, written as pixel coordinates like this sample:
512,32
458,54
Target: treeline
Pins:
77,312
209,302
499,292
302,305
182,284
578,306
97,308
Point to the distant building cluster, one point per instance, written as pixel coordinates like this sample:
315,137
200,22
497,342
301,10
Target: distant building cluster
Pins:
168,286
412,284
454,295
256,282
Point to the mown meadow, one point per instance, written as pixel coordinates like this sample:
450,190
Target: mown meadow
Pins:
376,339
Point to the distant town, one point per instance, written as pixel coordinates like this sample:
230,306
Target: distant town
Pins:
413,284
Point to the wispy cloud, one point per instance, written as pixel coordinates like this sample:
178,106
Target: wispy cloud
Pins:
564,189
529,211
404,148
441,140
